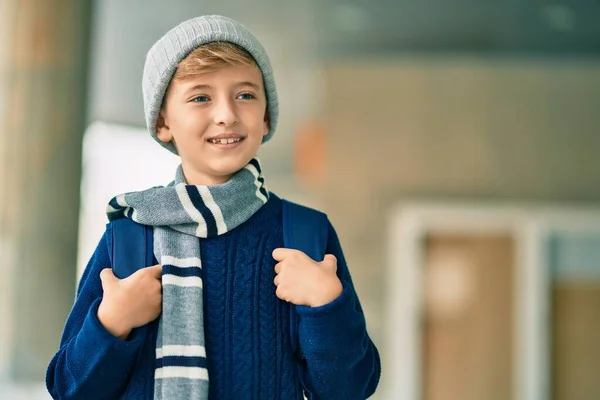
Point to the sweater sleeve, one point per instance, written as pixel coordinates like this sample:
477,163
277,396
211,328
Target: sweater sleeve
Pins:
91,363
341,360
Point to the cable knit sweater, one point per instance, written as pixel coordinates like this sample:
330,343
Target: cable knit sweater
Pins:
246,326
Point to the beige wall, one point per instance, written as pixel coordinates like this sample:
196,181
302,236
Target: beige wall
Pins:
451,128
43,75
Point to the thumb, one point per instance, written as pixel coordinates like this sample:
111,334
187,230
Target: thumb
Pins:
107,276
330,260
155,270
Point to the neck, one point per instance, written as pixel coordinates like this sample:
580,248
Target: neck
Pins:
194,177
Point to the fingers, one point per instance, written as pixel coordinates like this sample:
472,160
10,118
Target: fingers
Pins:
282,253
279,294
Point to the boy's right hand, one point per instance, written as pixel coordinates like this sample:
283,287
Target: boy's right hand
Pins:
131,302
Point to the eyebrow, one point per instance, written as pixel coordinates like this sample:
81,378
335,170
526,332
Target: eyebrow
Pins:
196,87
250,84
239,84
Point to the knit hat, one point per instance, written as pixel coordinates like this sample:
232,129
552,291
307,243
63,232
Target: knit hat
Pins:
164,56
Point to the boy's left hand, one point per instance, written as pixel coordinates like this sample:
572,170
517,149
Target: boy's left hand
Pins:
302,281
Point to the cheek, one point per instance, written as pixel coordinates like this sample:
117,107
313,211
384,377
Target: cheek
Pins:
189,122
255,120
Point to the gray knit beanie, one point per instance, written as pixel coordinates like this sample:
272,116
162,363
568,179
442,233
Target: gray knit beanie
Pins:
164,56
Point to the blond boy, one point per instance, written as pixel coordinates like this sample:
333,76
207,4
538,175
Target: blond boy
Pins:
211,318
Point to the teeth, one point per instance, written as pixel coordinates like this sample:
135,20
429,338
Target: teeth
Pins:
225,141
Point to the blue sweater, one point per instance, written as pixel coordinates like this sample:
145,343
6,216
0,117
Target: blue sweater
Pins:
249,354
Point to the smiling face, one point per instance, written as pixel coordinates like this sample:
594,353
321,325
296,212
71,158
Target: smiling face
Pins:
216,119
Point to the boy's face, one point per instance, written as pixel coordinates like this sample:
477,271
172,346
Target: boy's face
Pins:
217,122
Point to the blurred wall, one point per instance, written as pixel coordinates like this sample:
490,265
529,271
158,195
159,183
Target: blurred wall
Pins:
43,75
451,128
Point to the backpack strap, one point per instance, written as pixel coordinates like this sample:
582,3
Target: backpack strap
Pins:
132,247
306,230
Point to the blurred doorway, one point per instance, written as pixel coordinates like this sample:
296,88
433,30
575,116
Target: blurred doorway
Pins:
467,303
493,302
468,326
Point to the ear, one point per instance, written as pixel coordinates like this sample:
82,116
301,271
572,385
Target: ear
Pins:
163,133
267,125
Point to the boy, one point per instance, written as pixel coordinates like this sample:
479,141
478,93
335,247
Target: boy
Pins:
211,318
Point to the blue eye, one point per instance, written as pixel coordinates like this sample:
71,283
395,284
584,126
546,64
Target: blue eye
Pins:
200,99
246,96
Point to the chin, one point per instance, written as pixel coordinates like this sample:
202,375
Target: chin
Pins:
228,166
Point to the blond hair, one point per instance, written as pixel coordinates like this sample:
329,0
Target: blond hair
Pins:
210,57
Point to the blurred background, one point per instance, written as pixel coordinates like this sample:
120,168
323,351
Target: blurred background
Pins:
453,143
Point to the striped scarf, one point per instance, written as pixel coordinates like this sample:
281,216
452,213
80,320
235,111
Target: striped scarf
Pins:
180,214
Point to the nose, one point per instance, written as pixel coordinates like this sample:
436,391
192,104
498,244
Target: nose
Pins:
225,113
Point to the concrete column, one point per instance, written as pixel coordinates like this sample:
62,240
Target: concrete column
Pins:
44,46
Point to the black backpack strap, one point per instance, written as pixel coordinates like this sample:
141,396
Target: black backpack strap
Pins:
132,247
306,230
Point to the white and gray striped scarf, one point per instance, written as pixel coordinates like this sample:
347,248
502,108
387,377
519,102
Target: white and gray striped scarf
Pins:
180,214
